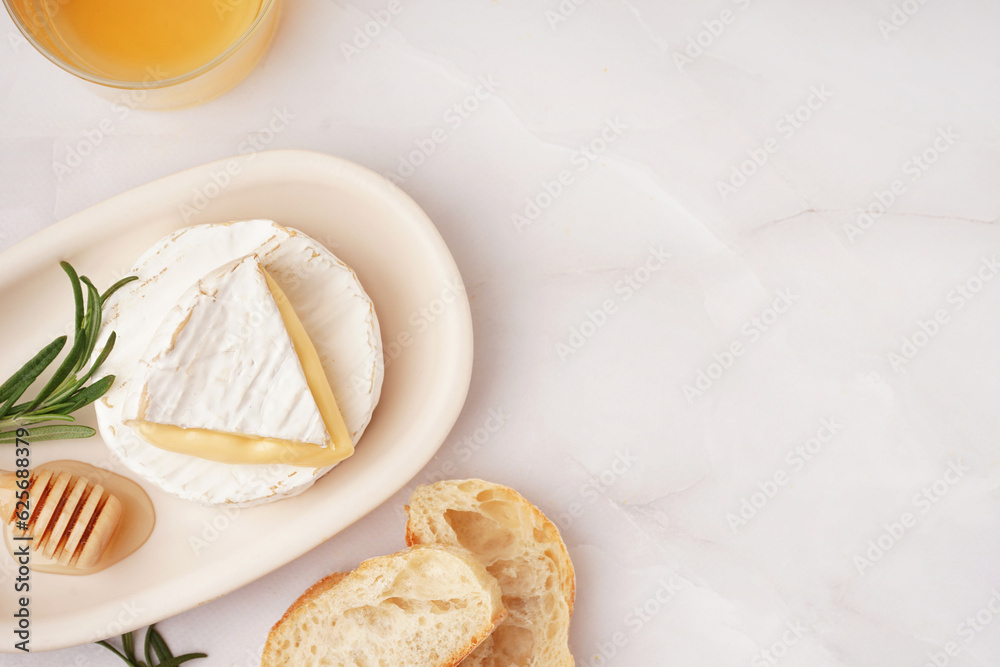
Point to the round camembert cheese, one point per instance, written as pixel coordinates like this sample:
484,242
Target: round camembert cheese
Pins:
208,348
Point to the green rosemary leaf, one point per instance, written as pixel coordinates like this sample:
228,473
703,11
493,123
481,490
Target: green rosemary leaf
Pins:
62,373
13,388
117,286
53,432
155,640
154,645
94,315
117,652
59,432
64,392
101,358
181,659
28,420
17,409
88,395
128,646
148,649
77,297
58,411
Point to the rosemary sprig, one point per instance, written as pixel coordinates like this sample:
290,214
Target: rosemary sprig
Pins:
154,647
67,390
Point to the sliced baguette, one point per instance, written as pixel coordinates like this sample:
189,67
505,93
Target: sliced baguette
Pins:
522,549
424,606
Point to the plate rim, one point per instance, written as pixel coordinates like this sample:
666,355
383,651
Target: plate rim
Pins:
67,233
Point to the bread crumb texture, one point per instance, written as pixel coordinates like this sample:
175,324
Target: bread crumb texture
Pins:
522,549
426,606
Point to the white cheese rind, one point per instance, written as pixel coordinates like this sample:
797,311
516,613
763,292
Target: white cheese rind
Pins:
325,293
222,360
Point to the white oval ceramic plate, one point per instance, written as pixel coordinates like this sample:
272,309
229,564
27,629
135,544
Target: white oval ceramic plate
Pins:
199,553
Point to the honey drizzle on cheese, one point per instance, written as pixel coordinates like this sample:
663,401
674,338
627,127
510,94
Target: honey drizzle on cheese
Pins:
238,448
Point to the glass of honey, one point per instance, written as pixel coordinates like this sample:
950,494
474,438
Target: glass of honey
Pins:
151,54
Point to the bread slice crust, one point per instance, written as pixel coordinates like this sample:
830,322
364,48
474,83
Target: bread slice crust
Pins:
369,583
522,548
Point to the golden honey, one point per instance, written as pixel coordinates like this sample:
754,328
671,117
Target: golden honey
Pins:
137,520
151,54
147,40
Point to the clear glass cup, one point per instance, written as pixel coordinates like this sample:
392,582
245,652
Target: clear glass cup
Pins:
199,85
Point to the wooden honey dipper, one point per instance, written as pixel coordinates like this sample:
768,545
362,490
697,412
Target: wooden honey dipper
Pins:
71,520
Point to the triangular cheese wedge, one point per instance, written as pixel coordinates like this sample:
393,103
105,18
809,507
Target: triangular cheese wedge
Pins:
231,376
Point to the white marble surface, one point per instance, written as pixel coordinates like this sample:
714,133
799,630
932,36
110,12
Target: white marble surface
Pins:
827,443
